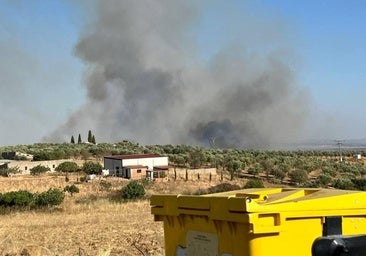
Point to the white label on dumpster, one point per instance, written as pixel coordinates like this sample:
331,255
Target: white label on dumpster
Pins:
181,251
200,243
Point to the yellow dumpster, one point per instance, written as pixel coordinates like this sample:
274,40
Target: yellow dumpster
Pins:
257,222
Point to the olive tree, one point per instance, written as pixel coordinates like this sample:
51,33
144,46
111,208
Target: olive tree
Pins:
92,167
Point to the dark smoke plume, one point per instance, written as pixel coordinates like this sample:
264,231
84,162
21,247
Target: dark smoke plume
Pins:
146,81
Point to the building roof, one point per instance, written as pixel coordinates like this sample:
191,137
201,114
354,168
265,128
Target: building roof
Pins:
134,166
161,167
132,156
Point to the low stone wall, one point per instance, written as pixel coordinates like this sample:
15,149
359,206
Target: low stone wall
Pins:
25,166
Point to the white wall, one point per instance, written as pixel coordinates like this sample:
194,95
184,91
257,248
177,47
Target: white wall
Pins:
149,162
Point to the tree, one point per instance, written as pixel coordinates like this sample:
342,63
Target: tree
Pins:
267,166
298,176
90,136
71,189
92,168
359,184
67,167
343,183
196,159
37,170
233,166
324,179
79,139
278,173
93,140
72,140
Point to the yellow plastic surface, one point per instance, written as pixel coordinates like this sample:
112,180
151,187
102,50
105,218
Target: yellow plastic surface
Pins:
255,222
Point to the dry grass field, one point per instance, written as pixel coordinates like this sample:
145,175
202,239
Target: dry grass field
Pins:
87,223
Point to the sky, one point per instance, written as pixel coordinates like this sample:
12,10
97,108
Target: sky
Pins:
43,76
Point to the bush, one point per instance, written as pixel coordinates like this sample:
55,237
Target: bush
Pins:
67,167
254,183
8,171
324,179
16,198
133,190
51,197
223,187
359,184
83,179
343,183
37,170
92,168
71,189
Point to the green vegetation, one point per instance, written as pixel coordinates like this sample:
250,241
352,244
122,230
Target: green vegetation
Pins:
67,167
6,172
254,183
132,191
92,168
51,197
295,168
72,189
23,198
39,169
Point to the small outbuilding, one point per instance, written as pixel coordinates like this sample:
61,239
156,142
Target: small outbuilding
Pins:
135,166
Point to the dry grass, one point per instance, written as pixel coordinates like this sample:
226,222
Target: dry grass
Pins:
97,226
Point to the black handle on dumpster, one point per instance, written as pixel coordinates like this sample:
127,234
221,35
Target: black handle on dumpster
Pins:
339,245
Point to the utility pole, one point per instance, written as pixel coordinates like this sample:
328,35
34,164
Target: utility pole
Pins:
340,143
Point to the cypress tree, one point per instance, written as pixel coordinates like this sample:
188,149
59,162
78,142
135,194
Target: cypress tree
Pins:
79,139
93,140
72,139
90,136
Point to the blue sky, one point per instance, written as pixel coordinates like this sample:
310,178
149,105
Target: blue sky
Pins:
41,80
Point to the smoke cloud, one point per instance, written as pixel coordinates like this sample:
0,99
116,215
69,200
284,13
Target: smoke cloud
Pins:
147,81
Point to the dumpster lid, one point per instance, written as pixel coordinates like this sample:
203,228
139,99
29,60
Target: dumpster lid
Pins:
260,200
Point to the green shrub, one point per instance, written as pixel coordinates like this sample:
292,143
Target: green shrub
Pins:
324,179
343,183
16,198
72,189
51,197
359,184
133,190
83,178
254,183
223,187
67,167
92,168
37,170
8,171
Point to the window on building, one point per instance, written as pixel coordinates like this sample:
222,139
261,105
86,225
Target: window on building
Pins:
139,171
53,166
26,168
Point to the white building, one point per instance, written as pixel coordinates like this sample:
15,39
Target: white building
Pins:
135,166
